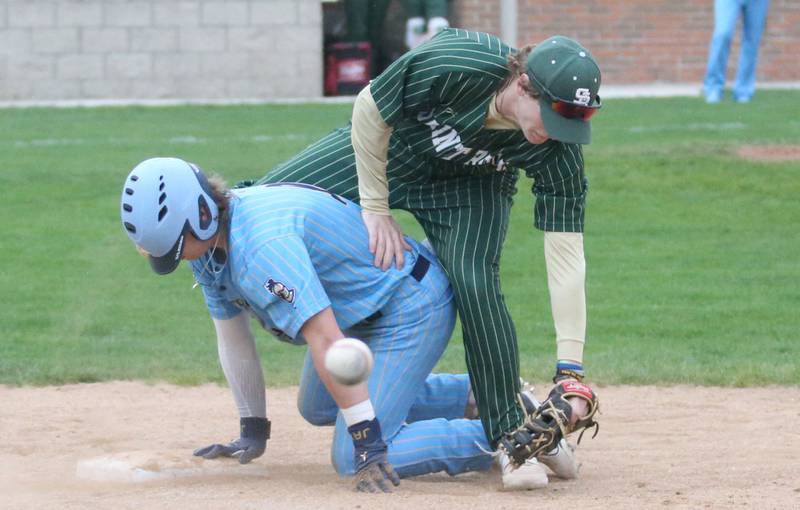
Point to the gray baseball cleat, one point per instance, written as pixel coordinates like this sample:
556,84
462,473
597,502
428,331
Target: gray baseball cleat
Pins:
529,476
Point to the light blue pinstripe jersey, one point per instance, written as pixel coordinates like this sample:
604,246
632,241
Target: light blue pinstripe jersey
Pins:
294,250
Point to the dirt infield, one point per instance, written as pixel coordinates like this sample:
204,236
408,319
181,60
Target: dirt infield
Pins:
769,152
676,447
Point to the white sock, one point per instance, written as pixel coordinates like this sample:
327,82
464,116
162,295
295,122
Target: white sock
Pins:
358,413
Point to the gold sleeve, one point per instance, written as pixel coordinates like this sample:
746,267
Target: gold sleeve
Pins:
566,279
370,138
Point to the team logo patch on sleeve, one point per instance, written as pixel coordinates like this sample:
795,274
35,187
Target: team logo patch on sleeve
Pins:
280,290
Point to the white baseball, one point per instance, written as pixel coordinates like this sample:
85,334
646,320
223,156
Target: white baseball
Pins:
349,361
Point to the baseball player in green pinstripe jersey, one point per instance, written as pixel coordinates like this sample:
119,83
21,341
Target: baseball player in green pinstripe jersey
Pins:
442,133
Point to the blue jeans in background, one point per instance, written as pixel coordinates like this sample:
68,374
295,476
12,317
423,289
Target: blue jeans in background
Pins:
726,13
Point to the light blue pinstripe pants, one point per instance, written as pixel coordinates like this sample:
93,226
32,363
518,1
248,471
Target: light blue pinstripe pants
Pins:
421,415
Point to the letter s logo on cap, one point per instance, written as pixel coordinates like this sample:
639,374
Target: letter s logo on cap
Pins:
583,96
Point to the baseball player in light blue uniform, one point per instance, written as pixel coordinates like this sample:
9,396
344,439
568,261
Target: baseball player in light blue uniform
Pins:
295,257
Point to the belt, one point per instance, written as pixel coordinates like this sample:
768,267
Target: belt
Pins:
420,268
418,272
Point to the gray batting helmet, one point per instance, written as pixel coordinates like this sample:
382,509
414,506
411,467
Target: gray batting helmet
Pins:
162,200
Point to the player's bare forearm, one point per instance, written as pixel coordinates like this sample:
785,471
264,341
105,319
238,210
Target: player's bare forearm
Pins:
320,332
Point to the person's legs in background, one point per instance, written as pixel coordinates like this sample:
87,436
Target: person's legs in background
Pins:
726,13
415,23
365,24
436,12
357,14
425,19
753,20
377,17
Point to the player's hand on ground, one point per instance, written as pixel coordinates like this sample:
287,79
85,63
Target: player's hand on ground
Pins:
251,445
373,471
243,449
376,477
386,240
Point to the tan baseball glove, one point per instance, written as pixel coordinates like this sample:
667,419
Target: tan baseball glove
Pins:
552,421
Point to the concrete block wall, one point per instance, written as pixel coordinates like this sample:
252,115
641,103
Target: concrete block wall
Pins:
160,49
644,41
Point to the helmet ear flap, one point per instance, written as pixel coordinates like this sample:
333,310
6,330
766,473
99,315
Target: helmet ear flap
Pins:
205,213
207,220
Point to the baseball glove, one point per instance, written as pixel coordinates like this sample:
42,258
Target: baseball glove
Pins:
545,427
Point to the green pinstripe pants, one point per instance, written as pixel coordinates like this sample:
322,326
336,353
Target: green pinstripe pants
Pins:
465,218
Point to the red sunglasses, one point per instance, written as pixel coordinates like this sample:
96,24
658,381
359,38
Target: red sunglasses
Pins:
568,109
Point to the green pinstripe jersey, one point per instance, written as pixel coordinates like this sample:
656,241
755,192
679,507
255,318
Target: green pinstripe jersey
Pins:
436,98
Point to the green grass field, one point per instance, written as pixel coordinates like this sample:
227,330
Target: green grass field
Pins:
692,252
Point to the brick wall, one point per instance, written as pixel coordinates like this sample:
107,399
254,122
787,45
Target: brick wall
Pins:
481,15
641,41
87,49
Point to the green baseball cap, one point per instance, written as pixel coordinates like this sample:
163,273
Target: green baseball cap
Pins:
568,78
